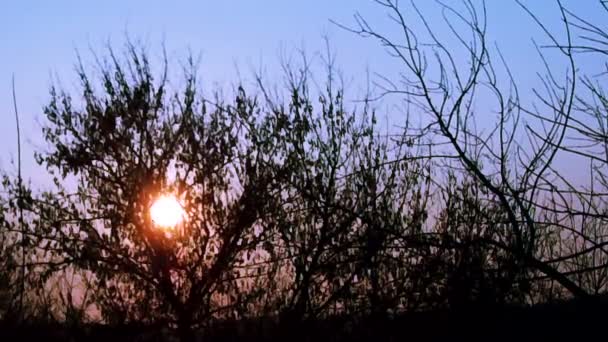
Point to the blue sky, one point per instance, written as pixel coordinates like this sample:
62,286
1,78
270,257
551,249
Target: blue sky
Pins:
40,39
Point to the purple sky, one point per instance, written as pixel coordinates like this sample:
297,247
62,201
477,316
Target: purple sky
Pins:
39,39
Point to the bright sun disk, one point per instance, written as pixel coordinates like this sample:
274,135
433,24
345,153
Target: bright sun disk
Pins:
167,211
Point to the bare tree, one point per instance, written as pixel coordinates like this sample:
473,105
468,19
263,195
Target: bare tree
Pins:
444,82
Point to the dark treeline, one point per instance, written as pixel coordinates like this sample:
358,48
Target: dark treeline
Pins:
301,207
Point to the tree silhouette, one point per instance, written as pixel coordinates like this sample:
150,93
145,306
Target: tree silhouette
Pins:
111,153
299,209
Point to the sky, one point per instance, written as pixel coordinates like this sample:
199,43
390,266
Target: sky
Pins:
39,41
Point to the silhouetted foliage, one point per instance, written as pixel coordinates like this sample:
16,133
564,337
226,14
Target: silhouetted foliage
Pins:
301,212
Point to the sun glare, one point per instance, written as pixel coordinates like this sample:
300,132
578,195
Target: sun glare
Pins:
166,211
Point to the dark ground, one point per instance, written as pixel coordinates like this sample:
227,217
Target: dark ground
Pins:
567,321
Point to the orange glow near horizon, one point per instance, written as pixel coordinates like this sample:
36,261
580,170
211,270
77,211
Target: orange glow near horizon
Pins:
166,211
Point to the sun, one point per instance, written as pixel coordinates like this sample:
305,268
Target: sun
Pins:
166,211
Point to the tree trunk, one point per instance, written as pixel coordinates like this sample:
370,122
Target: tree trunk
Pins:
184,329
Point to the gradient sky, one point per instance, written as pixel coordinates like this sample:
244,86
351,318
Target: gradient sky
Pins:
39,39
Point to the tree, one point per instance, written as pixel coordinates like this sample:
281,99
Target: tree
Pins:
298,206
342,203
515,174
125,141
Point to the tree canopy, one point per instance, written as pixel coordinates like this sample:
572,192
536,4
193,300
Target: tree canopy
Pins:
299,205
